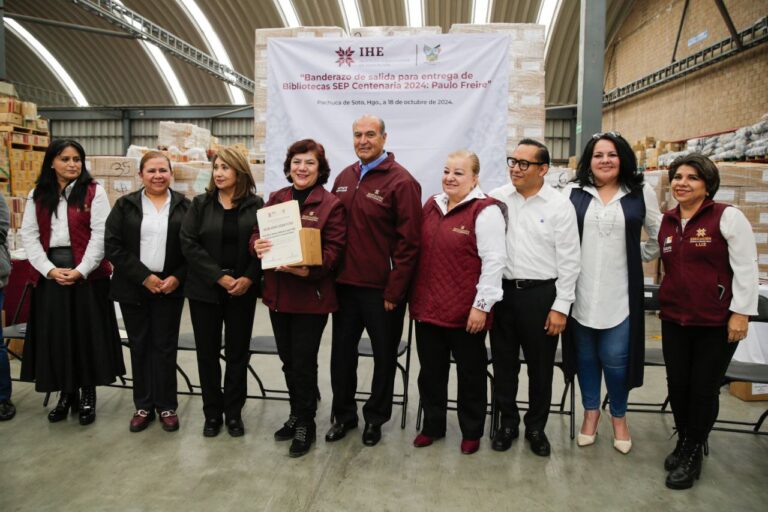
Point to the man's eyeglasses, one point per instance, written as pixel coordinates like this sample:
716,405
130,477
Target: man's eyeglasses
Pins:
611,133
521,164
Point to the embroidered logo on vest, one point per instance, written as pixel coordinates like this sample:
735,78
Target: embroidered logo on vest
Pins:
462,230
311,217
668,244
341,189
701,239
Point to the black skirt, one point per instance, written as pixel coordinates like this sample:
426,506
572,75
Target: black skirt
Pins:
72,337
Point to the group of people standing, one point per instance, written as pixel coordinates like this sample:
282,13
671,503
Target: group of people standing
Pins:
526,262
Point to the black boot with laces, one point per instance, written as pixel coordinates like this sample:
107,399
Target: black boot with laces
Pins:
302,440
67,402
673,459
689,466
288,429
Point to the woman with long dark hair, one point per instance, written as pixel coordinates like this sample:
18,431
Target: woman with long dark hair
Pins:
607,321
222,283
72,341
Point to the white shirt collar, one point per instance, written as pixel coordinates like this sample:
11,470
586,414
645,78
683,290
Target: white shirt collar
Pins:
545,192
442,198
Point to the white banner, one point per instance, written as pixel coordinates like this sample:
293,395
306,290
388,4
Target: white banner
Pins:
436,94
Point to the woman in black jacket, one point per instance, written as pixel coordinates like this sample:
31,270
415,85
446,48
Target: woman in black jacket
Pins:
214,239
142,242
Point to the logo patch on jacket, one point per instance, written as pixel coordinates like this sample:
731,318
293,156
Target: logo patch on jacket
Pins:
668,244
701,239
375,196
341,189
311,217
462,230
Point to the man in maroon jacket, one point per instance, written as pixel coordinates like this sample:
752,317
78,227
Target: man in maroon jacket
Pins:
383,203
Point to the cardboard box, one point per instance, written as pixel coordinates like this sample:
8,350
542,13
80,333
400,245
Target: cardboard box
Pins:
748,391
10,105
311,248
113,166
8,118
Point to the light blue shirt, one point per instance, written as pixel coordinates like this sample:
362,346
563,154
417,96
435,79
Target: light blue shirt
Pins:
364,168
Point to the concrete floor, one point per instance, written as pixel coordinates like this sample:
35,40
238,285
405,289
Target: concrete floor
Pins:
66,466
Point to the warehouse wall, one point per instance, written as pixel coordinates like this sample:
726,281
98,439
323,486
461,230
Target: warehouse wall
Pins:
721,97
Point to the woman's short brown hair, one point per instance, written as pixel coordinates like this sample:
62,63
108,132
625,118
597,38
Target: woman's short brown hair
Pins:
705,168
308,146
149,155
244,185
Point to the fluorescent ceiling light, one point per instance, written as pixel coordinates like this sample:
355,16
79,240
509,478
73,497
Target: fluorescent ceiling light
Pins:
351,12
414,13
288,13
481,12
161,63
54,65
211,38
546,15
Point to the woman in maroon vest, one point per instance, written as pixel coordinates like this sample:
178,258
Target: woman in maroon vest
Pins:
708,292
72,341
300,298
457,283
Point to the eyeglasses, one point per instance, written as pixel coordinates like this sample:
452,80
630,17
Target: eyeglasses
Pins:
522,164
611,133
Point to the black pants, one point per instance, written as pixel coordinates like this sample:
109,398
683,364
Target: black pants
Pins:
298,340
153,334
236,314
518,321
363,308
435,345
696,360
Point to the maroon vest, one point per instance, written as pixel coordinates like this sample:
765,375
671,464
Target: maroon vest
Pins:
449,265
79,221
696,289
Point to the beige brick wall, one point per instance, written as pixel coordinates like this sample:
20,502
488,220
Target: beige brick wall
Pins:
720,97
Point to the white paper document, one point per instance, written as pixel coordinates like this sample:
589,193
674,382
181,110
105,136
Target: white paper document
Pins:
280,224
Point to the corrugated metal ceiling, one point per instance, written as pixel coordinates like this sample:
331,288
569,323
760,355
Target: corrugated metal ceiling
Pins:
114,71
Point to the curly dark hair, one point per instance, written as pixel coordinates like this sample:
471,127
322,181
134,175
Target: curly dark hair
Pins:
629,177
308,146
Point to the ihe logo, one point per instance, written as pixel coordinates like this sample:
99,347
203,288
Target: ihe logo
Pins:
345,56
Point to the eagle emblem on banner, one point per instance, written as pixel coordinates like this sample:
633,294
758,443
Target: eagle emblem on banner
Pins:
432,52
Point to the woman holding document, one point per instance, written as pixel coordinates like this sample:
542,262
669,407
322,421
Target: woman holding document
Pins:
220,278
300,298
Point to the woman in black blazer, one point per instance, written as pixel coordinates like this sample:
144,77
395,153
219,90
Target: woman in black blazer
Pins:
142,242
220,286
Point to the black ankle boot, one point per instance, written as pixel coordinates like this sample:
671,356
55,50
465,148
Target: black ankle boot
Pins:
688,468
303,439
288,430
673,459
88,405
67,402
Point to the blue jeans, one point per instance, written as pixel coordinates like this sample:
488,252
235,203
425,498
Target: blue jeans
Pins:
603,351
5,367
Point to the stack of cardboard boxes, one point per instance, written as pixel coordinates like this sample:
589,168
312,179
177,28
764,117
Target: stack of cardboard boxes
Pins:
117,174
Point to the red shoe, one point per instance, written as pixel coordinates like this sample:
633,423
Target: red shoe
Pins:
141,420
169,420
469,446
422,440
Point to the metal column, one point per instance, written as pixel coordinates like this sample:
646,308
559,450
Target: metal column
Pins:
589,113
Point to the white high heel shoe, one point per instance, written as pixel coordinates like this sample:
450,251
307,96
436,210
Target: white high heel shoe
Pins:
622,445
586,439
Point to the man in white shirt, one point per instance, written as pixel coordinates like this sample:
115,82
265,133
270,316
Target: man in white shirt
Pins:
543,262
